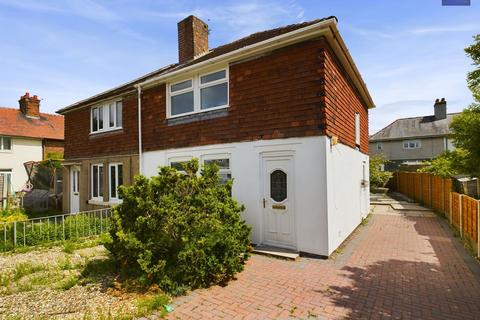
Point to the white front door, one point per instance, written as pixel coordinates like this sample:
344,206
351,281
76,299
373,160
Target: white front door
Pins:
74,189
278,199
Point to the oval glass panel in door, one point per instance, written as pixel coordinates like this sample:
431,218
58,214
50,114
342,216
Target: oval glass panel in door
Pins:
278,185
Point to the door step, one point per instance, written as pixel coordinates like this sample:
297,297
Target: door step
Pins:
276,252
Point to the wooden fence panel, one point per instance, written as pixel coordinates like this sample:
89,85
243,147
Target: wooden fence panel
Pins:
426,199
437,193
447,189
417,187
469,215
456,209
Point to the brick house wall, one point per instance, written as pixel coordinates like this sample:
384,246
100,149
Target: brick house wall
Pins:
342,101
79,143
53,146
296,91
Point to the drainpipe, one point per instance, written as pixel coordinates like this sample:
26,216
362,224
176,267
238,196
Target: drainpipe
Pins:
139,104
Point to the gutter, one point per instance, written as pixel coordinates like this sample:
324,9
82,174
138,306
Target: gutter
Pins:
139,104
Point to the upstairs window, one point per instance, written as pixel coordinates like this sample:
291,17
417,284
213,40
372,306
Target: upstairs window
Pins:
379,146
5,143
200,93
412,144
107,117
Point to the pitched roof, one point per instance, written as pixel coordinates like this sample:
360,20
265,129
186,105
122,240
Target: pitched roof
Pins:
215,52
417,127
14,123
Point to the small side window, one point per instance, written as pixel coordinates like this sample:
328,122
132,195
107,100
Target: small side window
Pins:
357,128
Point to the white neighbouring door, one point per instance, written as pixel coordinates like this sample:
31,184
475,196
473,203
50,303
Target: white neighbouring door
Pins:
74,189
278,200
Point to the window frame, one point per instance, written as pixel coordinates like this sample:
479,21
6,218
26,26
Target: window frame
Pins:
1,144
379,146
179,159
357,129
417,144
210,157
98,197
196,88
115,165
105,111
10,173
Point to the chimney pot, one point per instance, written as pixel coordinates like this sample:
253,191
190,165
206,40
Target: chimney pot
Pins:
192,38
440,109
30,106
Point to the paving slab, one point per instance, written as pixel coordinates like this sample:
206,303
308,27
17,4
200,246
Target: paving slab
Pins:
409,207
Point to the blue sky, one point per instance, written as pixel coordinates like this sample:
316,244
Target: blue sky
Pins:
409,52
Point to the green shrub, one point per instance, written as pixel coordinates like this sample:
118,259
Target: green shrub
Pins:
378,178
180,230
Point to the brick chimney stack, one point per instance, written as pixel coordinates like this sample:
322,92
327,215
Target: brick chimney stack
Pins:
440,109
192,38
30,106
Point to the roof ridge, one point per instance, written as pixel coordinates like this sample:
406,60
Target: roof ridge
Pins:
42,113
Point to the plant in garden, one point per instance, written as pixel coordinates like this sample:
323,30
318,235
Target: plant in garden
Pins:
378,178
445,165
180,230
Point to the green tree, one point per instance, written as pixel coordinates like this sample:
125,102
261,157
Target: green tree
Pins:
446,165
473,77
378,178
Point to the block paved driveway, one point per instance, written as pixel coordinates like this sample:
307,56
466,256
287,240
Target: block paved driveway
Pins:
395,267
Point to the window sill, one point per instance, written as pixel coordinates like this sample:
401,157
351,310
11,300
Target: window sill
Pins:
104,203
116,130
198,116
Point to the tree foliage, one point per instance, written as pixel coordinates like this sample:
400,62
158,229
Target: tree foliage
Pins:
180,230
466,138
473,77
378,178
445,165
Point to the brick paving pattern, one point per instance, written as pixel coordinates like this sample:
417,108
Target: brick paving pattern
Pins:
397,267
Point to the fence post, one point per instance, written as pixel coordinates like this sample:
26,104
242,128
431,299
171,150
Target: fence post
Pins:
460,206
15,233
451,207
478,228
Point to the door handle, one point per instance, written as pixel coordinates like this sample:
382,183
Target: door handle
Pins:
264,201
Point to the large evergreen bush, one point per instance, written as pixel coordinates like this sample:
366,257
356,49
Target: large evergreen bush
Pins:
180,230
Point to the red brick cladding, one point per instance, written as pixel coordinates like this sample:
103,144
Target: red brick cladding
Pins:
274,96
52,146
342,101
79,143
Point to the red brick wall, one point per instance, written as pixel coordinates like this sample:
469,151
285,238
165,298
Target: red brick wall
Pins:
53,146
342,101
79,143
275,96
296,91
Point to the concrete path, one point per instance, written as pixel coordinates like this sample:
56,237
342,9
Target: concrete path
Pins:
401,265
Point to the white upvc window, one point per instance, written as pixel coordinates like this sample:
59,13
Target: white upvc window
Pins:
5,143
223,163
115,178
200,93
178,163
412,144
379,146
357,128
106,117
7,180
96,181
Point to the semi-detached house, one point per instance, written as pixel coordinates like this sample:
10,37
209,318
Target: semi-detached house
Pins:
283,112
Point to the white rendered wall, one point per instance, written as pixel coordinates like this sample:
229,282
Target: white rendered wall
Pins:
23,150
310,203
348,201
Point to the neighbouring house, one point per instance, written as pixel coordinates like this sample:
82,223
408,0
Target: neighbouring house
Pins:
26,135
410,141
283,112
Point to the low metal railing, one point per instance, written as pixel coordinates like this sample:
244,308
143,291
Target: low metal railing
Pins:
54,228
